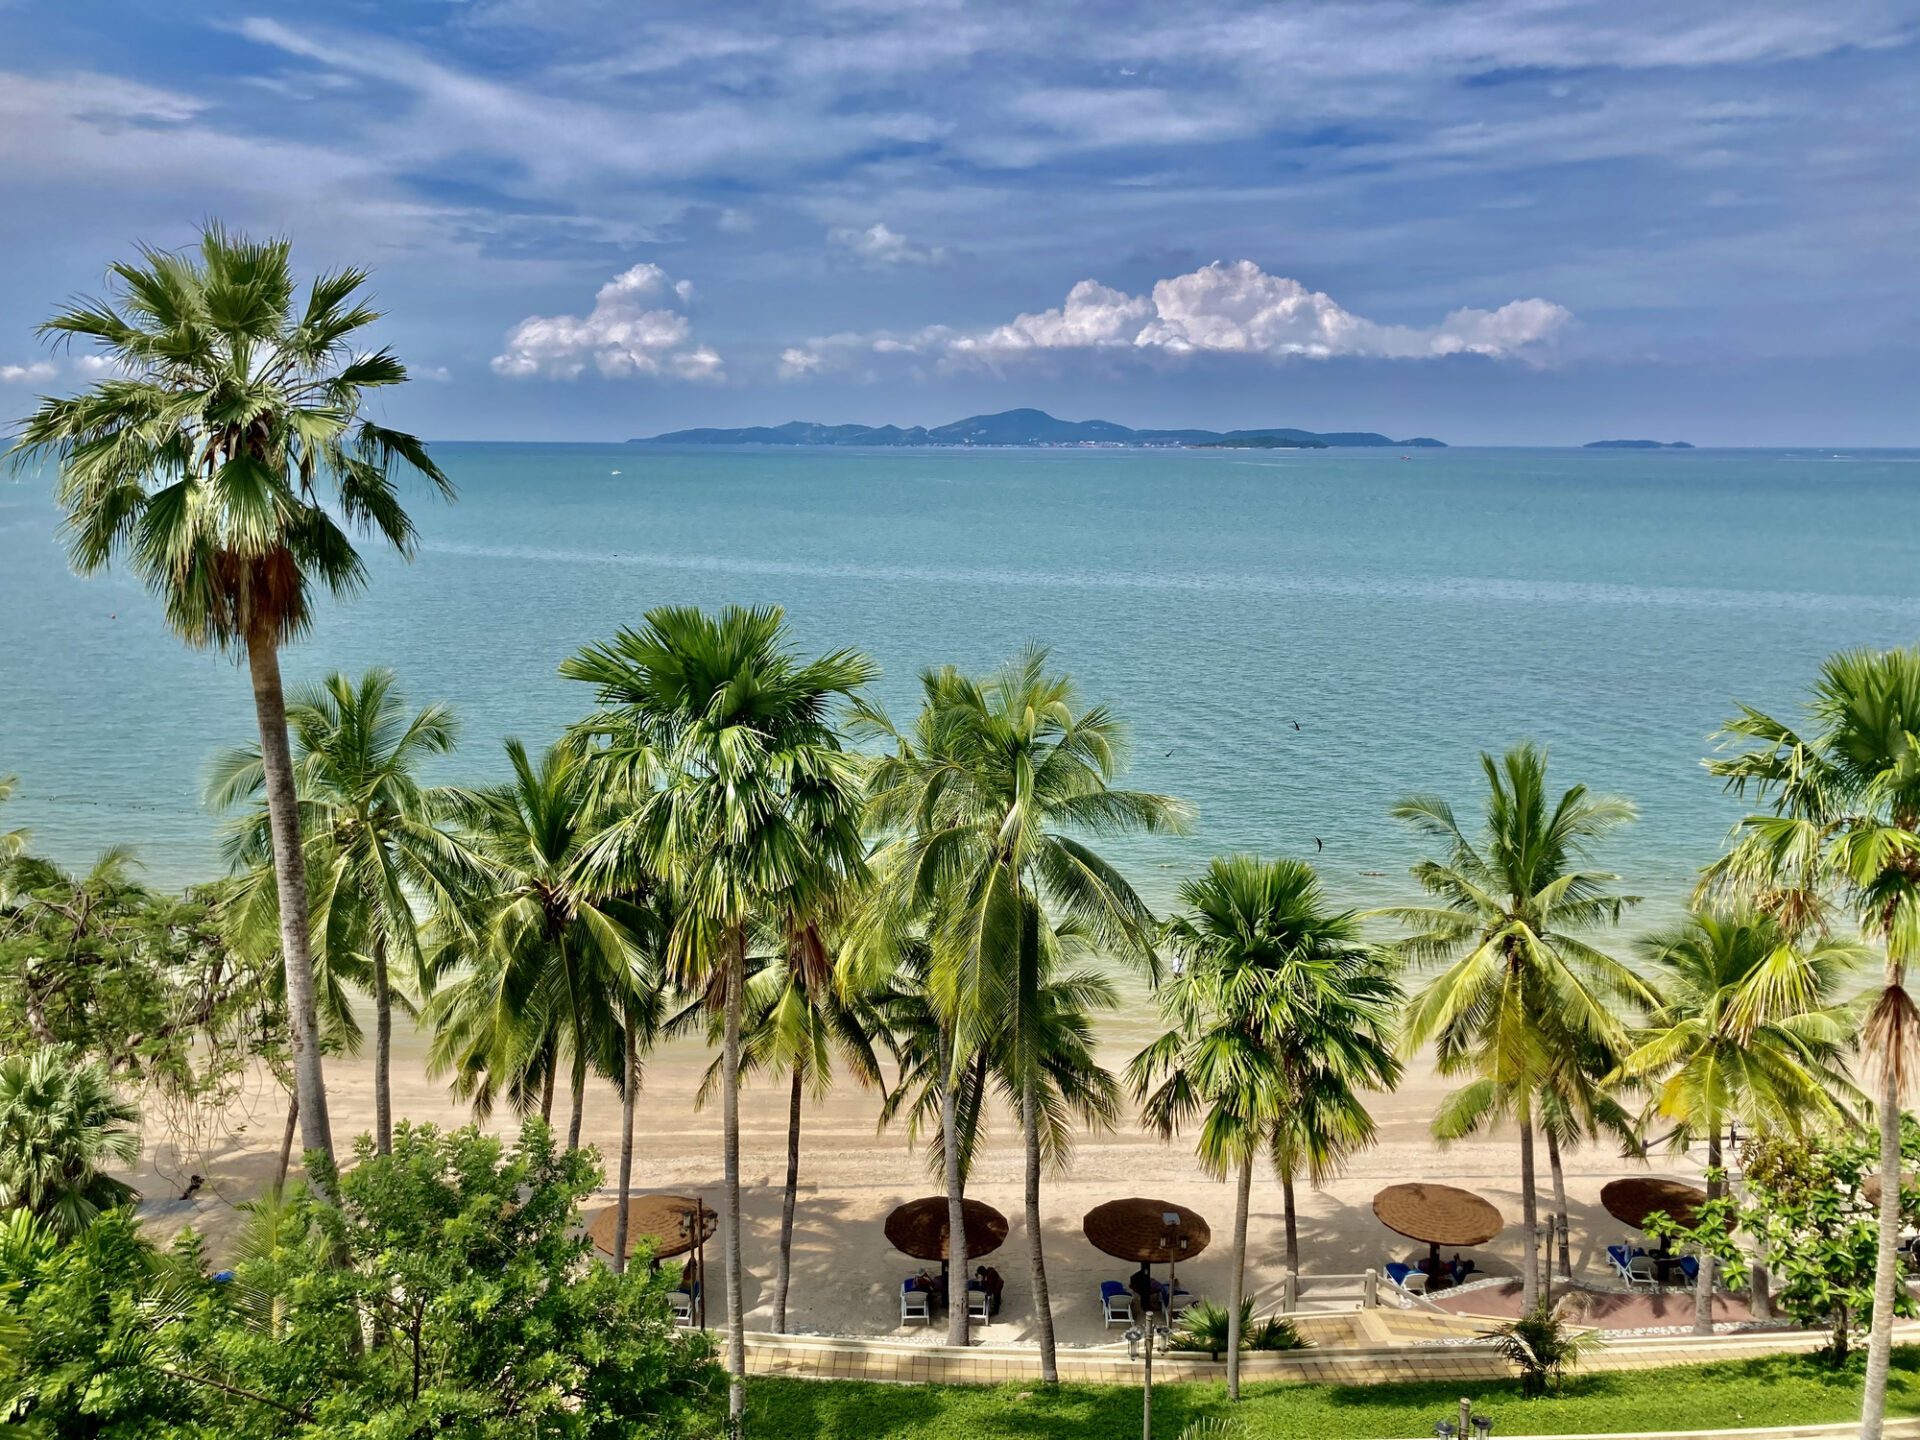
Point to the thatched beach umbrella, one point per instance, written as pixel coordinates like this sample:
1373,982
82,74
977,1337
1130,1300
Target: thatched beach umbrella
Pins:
664,1220
1632,1199
1153,1232
1437,1214
919,1228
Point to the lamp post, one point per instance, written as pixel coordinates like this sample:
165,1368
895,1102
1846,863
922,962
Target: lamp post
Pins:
1150,1333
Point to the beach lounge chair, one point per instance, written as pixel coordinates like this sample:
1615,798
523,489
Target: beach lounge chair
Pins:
915,1304
1642,1271
1178,1303
1396,1272
1116,1303
1690,1267
1414,1282
682,1304
977,1305
1619,1256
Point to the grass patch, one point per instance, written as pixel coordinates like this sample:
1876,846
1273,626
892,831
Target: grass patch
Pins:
1775,1390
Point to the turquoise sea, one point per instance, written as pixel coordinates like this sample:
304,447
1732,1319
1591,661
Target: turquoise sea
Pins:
1403,613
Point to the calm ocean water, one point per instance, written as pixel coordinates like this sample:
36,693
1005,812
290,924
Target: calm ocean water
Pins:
1406,614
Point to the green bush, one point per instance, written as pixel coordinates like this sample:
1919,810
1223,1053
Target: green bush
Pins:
1204,1327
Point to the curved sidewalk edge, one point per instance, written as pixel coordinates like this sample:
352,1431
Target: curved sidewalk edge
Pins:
900,1362
1897,1427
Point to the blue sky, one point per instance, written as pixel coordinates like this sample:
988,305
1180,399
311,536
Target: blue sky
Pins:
1496,221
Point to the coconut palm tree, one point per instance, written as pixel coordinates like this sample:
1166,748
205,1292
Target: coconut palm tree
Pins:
1279,1015
548,957
1842,826
719,741
1521,991
984,794
225,459
640,1006
371,831
1749,1030
61,1125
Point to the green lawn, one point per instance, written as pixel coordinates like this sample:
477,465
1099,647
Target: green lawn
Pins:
1778,1390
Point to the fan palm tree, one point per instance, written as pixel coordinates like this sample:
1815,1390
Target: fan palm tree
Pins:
984,793
215,462
719,741
370,830
548,956
1842,825
61,1125
13,843
1521,991
1279,1015
1749,1030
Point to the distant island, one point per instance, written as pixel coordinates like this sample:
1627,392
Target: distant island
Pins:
1027,428
1636,445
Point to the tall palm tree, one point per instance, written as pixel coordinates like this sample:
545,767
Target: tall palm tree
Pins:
986,789
719,741
370,828
61,1125
1749,1030
1279,1015
1521,991
215,462
1842,825
640,1006
13,843
548,956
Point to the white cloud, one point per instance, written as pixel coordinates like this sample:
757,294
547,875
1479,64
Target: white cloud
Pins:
880,245
31,373
1220,309
621,338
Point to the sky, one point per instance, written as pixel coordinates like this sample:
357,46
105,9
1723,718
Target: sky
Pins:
1492,221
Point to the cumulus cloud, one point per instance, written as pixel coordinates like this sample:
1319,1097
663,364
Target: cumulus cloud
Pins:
878,244
622,338
31,373
1219,309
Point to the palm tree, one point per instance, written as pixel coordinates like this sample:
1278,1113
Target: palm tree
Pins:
640,1002
984,790
1749,1030
548,956
370,831
1521,992
13,843
741,797
215,462
1843,824
1279,1014
61,1124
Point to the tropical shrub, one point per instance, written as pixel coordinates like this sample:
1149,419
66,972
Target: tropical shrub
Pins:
1542,1347
1204,1327
61,1126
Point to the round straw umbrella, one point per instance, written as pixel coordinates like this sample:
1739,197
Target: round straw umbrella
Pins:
919,1228
1152,1232
1437,1214
1632,1199
664,1221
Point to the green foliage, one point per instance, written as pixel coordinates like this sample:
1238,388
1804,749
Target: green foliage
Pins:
1779,1390
1542,1347
1805,1205
61,1126
449,1294
1204,1327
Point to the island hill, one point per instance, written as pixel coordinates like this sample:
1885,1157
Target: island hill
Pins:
1028,428
1636,445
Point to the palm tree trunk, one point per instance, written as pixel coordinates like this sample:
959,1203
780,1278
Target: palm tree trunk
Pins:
1036,1250
1529,1216
1886,1270
546,1087
958,1261
1293,1224
1237,1287
1559,1204
286,1141
382,1051
579,1092
629,1083
1703,1282
730,1089
786,1207
290,880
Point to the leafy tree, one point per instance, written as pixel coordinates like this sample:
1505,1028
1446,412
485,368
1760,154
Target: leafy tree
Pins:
61,1126
985,796
1842,825
370,832
215,460
1749,1029
1521,993
1279,1016
718,742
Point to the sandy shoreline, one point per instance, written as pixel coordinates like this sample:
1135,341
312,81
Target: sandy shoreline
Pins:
846,1276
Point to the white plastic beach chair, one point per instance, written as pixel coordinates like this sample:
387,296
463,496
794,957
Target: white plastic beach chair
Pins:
1414,1282
1116,1303
1642,1271
977,1306
682,1304
916,1305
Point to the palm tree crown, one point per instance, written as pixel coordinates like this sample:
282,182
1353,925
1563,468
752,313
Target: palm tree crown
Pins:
61,1124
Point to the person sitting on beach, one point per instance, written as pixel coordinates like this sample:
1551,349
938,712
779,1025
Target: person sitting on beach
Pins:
988,1282
690,1276
1145,1289
1459,1268
924,1281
